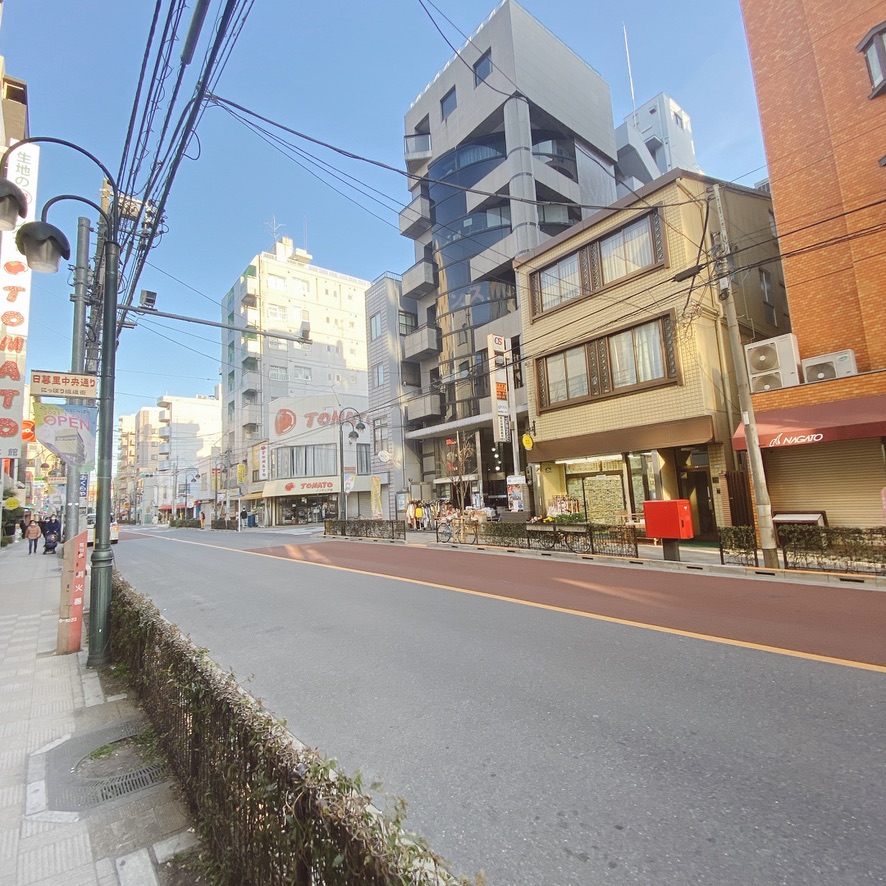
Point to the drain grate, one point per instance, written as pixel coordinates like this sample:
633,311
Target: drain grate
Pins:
103,789
67,791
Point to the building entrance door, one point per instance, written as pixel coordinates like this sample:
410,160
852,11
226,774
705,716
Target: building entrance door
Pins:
695,485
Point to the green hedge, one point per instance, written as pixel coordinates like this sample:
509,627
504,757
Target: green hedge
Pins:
268,809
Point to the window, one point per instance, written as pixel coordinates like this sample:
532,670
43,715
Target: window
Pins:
406,323
276,312
275,282
301,373
410,374
231,380
678,120
768,297
561,282
374,327
364,459
277,373
627,251
378,374
380,434
483,67
874,48
630,250
277,344
639,357
448,103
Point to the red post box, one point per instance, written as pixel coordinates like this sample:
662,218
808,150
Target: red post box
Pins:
668,519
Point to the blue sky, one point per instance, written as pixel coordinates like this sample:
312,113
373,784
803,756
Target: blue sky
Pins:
345,72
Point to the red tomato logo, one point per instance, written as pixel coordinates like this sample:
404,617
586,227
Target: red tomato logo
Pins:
284,422
15,267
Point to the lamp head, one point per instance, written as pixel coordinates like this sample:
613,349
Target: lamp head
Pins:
361,426
43,245
353,436
13,204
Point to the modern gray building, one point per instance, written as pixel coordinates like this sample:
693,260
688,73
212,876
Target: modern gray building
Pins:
512,142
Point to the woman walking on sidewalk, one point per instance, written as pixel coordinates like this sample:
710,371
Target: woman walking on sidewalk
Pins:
32,534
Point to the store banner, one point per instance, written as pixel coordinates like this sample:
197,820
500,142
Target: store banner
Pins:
376,498
498,350
15,300
68,432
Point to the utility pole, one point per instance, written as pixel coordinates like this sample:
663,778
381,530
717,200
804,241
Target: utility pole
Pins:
755,457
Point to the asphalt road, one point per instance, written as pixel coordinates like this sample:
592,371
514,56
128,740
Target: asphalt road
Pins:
541,743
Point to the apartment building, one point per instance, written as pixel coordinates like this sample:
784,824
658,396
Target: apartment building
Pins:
511,143
629,375
190,430
137,480
823,423
320,316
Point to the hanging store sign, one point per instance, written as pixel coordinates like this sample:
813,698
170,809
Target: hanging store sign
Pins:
63,384
15,301
498,349
68,432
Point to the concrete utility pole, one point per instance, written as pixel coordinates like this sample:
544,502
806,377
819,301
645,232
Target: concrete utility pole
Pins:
755,457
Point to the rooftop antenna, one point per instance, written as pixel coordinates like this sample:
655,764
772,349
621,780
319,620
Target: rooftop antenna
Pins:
630,75
275,228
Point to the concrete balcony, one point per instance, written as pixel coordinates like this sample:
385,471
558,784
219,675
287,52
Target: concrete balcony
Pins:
165,432
426,406
422,343
417,149
415,219
251,415
165,449
420,279
251,381
250,299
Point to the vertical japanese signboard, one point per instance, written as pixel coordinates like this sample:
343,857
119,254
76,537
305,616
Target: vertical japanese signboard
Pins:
70,621
15,298
499,350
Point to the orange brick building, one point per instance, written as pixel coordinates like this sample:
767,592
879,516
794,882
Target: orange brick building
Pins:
820,75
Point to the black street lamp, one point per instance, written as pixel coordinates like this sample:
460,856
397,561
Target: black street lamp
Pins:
43,246
356,425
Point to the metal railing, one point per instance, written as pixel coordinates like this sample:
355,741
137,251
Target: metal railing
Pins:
834,548
819,548
577,538
738,546
389,529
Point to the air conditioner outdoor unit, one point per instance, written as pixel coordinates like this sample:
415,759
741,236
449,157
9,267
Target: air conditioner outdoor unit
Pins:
773,363
840,364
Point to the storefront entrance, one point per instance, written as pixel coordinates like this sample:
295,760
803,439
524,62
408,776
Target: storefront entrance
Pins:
694,481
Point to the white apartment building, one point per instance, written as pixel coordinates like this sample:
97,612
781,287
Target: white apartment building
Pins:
190,431
137,480
320,316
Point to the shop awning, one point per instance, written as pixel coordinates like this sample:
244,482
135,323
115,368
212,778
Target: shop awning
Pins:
818,423
693,431
301,486
253,496
164,507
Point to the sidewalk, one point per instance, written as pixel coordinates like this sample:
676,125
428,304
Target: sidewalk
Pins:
58,828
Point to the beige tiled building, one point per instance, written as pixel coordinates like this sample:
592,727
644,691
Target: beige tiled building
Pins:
629,375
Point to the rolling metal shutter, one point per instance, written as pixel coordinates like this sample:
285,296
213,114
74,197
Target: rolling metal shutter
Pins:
845,479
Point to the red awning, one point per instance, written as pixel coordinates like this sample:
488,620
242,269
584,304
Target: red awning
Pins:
818,423
164,507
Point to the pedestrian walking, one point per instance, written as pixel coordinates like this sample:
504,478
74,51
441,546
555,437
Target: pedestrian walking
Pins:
33,535
202,519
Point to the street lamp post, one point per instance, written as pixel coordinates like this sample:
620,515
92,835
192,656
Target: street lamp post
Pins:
356,426
43,246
